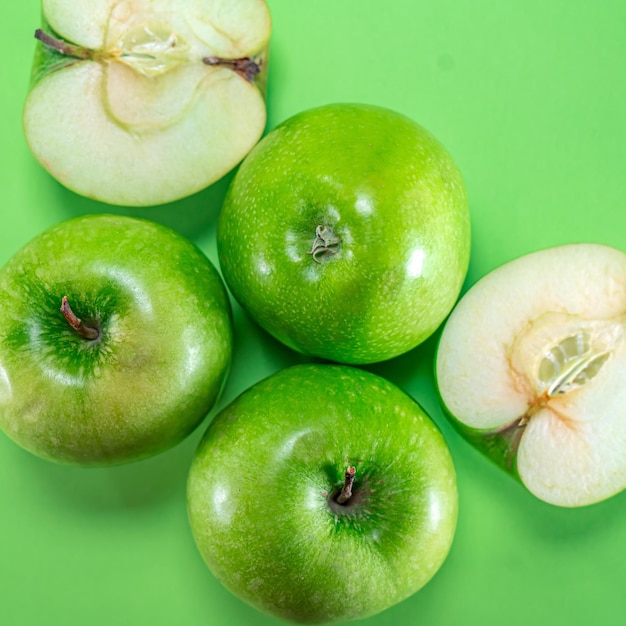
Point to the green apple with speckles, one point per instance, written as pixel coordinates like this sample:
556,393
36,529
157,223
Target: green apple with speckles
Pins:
323,494
115,340
345,233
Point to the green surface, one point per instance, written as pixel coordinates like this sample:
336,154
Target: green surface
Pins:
529,97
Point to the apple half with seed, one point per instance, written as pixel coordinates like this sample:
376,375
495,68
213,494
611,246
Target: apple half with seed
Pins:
531,367
141,102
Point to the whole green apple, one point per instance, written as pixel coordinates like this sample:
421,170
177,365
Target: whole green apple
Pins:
323,494
115,340
345,233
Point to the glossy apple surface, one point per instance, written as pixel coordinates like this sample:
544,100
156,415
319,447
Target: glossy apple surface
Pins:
151,370
345,233
531,367
264,485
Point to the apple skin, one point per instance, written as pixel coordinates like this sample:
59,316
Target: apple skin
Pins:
499,445
158,365
261,484
393,196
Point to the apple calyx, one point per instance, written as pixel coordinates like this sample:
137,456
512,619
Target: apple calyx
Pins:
88,332
508,438
346,491
326,243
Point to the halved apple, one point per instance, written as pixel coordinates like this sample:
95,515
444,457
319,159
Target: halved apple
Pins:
531,367
141,102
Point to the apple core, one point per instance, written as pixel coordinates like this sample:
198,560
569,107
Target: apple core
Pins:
325,244
571,363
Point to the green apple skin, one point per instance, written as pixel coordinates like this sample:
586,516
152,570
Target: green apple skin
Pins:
499,445
262,485
393,197
159,362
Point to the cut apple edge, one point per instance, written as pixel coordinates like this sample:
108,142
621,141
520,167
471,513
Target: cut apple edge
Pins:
550,367
70,131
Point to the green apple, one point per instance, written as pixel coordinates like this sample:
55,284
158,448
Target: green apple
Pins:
345,233
322,494
531,367
141,102
115,340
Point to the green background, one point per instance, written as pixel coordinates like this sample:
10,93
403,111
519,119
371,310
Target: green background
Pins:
530,98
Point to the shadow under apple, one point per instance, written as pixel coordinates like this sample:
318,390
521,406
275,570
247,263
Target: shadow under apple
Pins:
152,482
193,216
256,355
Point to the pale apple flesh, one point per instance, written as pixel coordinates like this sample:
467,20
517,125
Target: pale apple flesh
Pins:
147,102
531,366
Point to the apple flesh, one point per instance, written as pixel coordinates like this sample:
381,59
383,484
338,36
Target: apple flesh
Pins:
323,494
135,102
531,365
345,233
115,340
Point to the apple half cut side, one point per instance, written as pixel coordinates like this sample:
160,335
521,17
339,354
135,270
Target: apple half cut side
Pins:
531,367
138,103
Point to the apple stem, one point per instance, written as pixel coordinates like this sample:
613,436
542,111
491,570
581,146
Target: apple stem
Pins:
62,46
325,242
346,490
245,66
87,332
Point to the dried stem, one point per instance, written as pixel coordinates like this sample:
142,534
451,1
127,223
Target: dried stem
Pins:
88,332
346,490
62,47
245,66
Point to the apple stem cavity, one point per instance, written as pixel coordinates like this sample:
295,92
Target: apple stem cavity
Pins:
512,434
326,242
245,66
346,490
62,46
88,332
